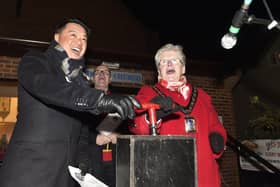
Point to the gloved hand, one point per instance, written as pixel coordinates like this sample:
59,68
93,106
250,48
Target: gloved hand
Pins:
123,105
167,106
84,169
216,142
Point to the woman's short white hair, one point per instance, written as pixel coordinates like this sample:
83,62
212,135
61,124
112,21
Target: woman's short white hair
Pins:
170,47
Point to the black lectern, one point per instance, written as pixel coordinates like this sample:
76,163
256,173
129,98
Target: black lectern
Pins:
156,161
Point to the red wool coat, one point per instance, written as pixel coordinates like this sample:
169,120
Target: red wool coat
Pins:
206,122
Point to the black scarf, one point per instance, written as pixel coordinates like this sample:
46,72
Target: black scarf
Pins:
72,68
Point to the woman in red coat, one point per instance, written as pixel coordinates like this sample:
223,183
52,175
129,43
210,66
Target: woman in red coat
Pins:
185,110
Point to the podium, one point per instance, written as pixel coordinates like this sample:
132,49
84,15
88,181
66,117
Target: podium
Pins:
156,161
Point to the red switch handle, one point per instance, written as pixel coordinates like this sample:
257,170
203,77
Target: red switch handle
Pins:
152,107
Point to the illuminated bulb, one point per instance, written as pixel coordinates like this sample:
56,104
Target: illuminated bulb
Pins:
228,41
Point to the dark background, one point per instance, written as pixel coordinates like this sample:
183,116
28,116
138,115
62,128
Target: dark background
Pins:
200,25
197,25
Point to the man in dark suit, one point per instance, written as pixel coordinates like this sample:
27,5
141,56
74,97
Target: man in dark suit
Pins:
53,96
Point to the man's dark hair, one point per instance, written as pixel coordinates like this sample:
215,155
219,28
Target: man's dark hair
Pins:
62,24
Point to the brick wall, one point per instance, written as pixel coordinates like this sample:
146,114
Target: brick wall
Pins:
221,98
8,67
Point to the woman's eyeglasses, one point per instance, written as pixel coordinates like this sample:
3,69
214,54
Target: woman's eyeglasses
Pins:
170,61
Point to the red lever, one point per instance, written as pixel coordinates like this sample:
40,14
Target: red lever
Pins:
152,107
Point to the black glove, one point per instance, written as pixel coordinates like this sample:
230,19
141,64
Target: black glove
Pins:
84,169
167,106
123,105
216,142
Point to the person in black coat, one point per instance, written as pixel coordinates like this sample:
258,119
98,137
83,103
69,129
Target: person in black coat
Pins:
53,96
102,143
97,146
97,143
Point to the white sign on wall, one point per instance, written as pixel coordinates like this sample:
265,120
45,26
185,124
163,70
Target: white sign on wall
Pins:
266,148
127,77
